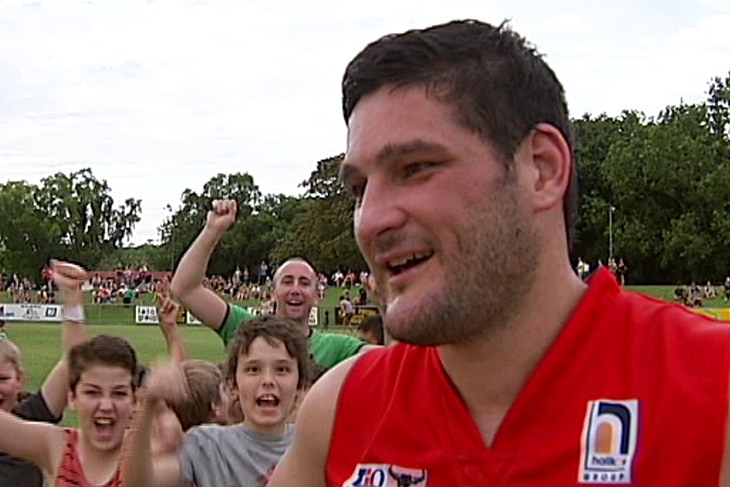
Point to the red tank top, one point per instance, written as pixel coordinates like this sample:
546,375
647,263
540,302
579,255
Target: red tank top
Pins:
71,473
632,392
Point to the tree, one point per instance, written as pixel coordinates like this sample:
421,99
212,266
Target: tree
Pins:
81,211
68,216
670,188
323,232
718,106
27,238
594,137
134,257
178,231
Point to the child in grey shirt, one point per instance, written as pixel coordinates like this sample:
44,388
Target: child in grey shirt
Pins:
268,363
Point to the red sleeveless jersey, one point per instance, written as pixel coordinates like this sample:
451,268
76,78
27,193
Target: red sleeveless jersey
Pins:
632,392
71,472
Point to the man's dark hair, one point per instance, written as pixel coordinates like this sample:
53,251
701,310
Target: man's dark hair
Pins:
498,84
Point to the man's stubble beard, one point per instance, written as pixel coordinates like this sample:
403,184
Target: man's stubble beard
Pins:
486,281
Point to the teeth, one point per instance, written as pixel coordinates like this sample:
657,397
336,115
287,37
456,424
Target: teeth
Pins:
406,258
103,421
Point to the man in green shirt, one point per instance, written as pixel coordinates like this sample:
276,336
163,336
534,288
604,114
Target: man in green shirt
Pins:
294,292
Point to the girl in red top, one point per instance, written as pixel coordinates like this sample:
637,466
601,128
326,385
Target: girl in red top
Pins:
101,379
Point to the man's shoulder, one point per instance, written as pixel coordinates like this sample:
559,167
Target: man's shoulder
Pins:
391,361
325,336
653,309
238,310
657,323
380,374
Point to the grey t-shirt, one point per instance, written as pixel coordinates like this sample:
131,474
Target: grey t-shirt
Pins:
16,472
230,456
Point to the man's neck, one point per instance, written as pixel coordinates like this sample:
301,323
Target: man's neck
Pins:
490,371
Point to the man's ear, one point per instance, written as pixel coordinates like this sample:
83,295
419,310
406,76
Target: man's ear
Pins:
549,165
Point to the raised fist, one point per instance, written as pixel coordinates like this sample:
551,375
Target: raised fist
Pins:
166,381
68,276
222,214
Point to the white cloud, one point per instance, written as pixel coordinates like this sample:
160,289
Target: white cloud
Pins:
159,96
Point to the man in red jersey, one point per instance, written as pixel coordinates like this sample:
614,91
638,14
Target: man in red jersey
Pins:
460,159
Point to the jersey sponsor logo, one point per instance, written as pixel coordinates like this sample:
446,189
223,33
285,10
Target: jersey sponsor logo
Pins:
608,442
384,475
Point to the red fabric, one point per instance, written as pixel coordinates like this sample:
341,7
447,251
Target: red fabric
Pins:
397,406
71,472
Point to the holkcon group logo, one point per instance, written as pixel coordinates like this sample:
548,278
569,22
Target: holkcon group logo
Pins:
608,442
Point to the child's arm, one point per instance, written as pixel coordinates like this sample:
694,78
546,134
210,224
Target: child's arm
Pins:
38,443
167,310
69,278
140,468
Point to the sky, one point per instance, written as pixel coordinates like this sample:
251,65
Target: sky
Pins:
159,96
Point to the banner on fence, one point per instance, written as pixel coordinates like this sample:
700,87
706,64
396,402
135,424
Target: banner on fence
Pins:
360,313
190,319
147,315
30,312
314,316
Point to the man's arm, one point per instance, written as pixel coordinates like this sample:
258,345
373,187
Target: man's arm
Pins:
187,282
303,463
69,278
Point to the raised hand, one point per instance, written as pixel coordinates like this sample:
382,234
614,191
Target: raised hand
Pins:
167,309
222,215
69,278
166,381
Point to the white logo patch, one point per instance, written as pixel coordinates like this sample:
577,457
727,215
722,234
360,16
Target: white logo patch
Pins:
608,442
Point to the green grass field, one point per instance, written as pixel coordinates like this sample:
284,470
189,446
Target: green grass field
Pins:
667,293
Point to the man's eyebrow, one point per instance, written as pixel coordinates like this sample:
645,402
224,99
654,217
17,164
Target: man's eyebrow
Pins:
417,146
394,151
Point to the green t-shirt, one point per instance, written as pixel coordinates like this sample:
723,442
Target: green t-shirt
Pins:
327,349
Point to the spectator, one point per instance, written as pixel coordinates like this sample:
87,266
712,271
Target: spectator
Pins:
101,378
46,405
371,329
294,293
621,270
346,310
263,273
268,363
